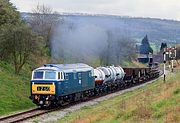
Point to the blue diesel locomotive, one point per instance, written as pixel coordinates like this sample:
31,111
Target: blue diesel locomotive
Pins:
60,83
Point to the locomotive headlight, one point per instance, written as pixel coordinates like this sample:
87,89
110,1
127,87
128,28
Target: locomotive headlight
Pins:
41,102
47,102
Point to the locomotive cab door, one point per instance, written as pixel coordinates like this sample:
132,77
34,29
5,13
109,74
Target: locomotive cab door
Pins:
84,79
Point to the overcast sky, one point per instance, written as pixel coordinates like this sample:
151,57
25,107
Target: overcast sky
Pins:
168,9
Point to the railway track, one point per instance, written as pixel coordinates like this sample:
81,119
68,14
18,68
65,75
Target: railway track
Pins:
37,112
24,115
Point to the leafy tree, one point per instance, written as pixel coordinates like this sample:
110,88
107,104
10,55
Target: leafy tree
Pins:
8,13
18,42
145,47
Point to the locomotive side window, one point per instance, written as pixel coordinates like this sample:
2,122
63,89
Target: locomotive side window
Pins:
60,76
38,75
66,76
79,75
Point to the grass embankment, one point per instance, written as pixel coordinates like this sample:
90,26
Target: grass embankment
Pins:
156,102
14,89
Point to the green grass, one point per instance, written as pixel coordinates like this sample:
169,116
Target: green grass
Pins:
156,102
14,89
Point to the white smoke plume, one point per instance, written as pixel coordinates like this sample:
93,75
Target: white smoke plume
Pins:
89,39
78,42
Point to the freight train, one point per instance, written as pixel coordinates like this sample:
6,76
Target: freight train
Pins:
61,84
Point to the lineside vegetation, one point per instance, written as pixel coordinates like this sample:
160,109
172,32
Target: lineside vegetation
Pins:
156,102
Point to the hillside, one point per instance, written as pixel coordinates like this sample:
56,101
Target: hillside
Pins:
14,89
158,30
156,102
97,34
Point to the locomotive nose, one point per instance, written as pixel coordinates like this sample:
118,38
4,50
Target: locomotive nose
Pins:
43,88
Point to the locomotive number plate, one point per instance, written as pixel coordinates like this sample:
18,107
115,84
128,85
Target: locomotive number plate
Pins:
43,88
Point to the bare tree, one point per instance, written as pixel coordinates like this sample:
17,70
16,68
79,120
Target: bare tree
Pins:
117,50
43,22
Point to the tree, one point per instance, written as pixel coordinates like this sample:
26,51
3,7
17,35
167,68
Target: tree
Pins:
163,45
117,50
43,22
145,47
8,13
18,43
8,16
178,53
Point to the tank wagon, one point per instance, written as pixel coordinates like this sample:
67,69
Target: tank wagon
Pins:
60,84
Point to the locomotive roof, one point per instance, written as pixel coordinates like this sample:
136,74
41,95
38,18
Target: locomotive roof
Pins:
66,67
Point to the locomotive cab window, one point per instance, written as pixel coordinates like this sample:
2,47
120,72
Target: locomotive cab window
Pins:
50,75
38,75
44,75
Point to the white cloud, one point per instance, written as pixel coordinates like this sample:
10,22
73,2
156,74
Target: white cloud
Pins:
142,8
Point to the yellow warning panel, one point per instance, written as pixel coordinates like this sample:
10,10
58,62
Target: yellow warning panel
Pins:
43,88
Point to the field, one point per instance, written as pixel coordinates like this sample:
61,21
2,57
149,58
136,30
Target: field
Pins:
156,102
14,89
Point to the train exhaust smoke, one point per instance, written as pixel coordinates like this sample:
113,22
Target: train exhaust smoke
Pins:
89,42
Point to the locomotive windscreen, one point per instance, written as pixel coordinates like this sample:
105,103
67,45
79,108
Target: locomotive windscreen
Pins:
50,75
44,75
38,75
